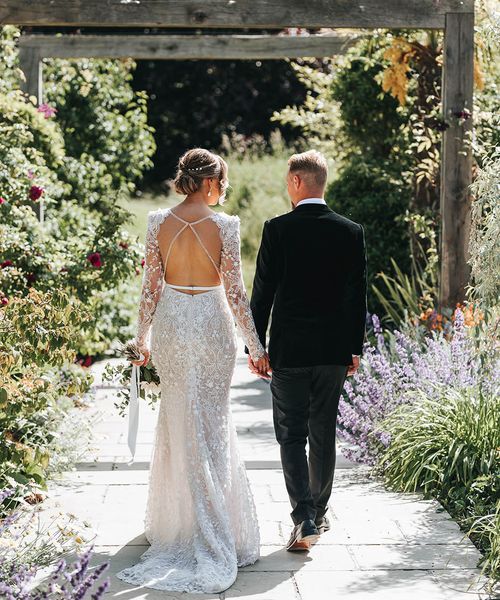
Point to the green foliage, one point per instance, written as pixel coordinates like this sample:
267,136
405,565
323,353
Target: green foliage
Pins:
371,119
485,233
403,296
101,117
37,332
257,193
80,169
485,230
487,91
487,529
371,195
10,74
317,118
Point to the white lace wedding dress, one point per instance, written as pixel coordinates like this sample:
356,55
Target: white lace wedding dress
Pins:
200,517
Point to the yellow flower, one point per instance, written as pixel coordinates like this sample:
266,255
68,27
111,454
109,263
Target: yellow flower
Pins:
395,80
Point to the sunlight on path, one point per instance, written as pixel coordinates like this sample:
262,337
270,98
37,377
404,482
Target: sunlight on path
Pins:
381,545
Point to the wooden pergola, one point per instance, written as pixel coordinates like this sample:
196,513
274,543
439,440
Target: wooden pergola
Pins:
454,17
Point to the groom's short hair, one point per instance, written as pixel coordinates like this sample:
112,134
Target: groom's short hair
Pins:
312,163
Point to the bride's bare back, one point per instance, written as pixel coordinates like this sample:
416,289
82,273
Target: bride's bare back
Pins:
190,251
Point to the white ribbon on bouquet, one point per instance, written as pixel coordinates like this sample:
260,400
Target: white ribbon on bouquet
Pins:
133,408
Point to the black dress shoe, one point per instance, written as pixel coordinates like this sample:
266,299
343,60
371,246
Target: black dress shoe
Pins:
303,535
323,524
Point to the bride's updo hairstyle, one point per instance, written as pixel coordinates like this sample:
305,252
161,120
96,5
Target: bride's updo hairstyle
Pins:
194,166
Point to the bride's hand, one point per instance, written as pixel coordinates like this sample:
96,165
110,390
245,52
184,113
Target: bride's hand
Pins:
261,367
145,352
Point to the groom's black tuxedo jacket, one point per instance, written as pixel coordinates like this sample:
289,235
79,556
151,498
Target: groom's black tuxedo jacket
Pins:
311,270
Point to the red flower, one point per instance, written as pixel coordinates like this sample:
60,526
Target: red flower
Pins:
2,200
87,362
5,301
143,262
95,259
123,245
35,192
6,263
30,277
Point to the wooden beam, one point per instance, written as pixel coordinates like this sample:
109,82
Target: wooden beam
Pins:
250,14
183,47
456,157
31,65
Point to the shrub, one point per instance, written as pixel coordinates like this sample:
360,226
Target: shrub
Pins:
101,117
372,195
37,332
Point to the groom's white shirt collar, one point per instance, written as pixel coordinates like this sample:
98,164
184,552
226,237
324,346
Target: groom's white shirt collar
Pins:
310,201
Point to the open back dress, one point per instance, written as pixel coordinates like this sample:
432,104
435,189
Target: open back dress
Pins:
200,517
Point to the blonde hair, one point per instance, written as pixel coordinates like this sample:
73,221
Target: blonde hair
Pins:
312,163
194,166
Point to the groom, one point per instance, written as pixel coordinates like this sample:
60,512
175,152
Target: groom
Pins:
311,270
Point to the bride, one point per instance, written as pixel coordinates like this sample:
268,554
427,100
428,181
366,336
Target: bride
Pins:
200,515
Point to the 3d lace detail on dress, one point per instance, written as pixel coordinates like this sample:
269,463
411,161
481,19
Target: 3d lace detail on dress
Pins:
200,517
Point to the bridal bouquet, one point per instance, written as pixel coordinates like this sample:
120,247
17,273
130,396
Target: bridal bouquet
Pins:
122,374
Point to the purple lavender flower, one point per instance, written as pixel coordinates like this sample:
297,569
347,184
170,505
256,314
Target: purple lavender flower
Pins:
393,368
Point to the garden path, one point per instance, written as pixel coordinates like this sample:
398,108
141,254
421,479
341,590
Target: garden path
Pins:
381,545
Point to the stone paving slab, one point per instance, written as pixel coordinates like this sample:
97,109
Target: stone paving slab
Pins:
381,544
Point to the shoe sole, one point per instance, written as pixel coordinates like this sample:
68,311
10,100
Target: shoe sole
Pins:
304,544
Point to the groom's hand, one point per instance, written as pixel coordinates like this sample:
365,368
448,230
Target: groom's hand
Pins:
354,366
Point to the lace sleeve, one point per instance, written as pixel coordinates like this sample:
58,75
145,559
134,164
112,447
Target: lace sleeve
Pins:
235,288
152,281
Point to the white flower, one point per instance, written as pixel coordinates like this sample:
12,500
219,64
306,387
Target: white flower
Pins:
154,388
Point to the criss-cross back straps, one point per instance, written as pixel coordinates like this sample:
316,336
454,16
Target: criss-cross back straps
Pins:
190,225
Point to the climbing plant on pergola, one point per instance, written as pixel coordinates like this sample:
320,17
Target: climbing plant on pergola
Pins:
454,17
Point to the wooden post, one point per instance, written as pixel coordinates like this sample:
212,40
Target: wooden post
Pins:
31,65
456,156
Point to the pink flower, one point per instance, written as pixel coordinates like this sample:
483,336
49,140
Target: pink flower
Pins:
2,200
6,263
5,301
30,174
95,259
48,111
35,192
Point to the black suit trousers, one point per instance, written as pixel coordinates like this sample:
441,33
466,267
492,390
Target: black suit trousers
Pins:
305,406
